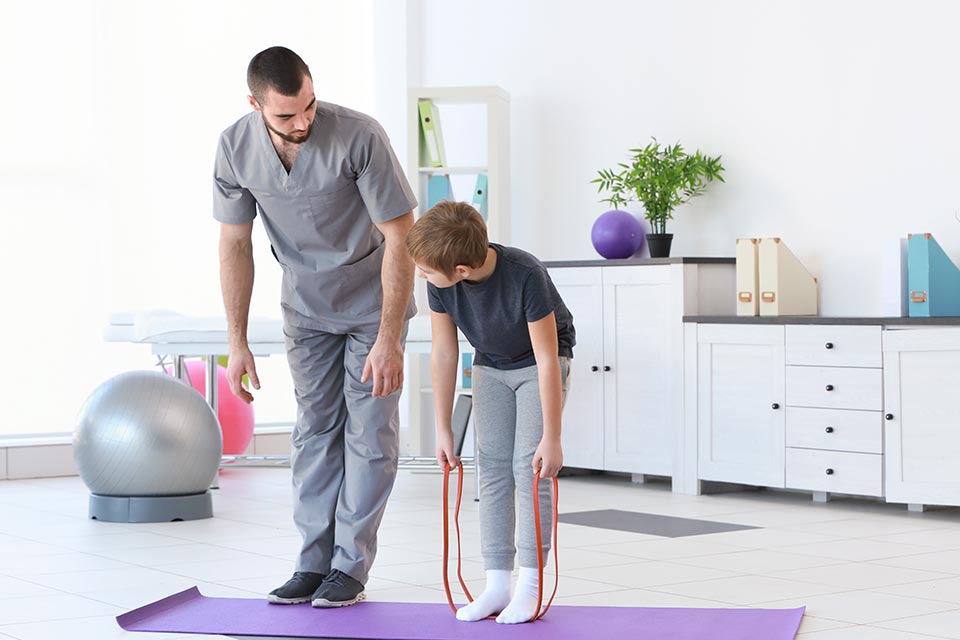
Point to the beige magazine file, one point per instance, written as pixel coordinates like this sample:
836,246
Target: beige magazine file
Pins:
786,287
748,302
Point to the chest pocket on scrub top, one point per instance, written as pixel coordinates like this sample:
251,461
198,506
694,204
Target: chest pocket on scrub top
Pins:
333,217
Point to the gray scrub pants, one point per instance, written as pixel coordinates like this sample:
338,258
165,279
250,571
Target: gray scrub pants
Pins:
345,448
508,418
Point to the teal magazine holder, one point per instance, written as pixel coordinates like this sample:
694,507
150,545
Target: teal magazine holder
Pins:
933,279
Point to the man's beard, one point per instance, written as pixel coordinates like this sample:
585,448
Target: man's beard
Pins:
295,139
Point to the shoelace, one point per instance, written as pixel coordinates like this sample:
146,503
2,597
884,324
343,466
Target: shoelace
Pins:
536,514
336,577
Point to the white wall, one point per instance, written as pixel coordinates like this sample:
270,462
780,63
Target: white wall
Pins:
111,118
837,121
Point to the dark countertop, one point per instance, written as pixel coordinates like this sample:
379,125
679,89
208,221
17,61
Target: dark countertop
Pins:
874,320
629,262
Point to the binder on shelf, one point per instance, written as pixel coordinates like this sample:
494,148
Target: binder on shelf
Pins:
466,372
933,279
748,303
432,134
438,189
480,195
786,288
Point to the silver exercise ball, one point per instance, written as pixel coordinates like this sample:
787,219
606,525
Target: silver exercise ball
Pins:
145,433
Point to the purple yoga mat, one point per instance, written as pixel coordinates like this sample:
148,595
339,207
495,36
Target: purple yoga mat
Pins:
191,612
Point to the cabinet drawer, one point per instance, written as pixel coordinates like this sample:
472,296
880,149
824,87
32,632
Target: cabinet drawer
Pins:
835,429
834,346
835,388
835,471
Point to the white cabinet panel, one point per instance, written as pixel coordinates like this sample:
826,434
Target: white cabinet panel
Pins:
835,429
835,388
835,471
639,355
921,373
741,404
834,346
583,415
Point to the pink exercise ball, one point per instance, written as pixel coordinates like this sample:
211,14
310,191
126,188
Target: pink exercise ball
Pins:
236,416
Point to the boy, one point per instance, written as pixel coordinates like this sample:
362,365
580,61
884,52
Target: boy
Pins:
504,302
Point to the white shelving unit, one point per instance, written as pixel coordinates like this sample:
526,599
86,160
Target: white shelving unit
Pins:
493,152
476,128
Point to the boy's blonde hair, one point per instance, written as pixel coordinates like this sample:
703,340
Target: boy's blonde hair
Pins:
449,234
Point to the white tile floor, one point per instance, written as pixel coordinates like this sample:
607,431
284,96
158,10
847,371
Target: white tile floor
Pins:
865,571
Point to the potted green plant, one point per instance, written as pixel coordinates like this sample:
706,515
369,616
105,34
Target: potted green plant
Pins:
661,178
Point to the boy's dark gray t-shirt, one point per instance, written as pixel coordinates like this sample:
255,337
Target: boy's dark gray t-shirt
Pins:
493,314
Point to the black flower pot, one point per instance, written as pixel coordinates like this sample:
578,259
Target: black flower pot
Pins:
659,244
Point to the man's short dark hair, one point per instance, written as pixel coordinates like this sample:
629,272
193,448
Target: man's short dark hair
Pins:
276,68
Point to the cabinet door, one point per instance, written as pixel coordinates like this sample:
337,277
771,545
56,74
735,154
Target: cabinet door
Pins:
922,429
582,432
741,413
638,349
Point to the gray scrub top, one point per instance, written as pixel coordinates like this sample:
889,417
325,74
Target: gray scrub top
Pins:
319,218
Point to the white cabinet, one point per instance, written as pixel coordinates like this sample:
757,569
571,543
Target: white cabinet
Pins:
922,426
870,405
625,405
796,407
740,404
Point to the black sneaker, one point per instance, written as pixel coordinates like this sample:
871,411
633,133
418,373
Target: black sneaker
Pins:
297,589
338,590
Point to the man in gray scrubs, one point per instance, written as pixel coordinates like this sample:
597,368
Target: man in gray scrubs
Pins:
336,208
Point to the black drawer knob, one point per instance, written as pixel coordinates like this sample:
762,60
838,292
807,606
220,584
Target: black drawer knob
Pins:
829,472
829,345
829,429
829,387
889,416
775,406
606,367
594,368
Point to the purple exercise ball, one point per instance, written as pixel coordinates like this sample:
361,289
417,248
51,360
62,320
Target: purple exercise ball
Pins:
617,234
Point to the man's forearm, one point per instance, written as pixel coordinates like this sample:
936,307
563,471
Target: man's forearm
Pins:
397,279
236,284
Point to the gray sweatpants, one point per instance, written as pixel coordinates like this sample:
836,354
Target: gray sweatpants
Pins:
508,418
345,448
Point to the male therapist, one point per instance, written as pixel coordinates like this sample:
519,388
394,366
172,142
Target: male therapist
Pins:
336,208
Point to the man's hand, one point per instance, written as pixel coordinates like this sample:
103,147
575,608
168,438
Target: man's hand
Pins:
445,449
548,457
385,364
239,363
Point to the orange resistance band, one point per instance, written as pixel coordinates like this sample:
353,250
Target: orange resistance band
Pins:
536,514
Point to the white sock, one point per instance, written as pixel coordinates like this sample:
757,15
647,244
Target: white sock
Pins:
493,599
524,602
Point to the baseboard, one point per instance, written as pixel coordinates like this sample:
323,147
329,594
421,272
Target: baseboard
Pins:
51,456
39,461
